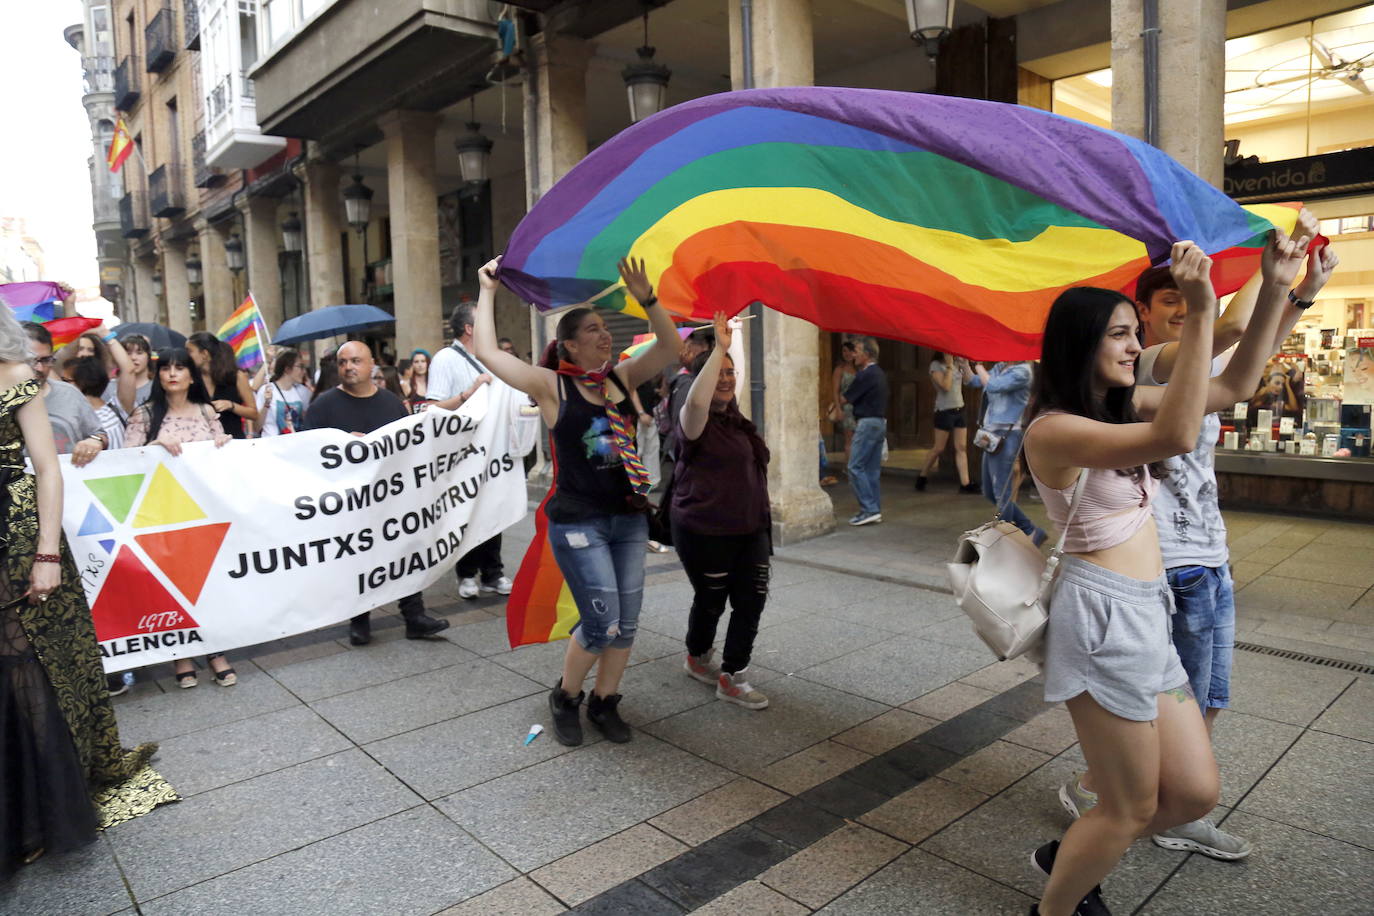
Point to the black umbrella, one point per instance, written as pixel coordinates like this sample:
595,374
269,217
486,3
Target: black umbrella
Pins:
159,336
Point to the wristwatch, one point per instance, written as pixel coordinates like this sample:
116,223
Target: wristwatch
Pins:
1300,303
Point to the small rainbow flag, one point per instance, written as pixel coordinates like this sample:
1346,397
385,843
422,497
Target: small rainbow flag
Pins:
245,333
643,342
65,330
32,301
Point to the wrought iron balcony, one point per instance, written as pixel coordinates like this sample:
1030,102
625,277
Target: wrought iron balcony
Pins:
166,191
127,88
190,23
205,176
133,215
160,40
99,73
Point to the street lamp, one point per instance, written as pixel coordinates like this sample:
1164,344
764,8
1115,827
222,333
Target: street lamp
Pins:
358,203
291,233
193,267
157,283
233,254
474,150
930,21
646,82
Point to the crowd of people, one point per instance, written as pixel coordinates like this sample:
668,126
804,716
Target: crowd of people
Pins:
1122,406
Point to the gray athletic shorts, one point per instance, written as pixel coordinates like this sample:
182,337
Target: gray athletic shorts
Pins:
1109,635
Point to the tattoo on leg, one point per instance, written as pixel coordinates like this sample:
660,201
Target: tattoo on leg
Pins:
1183,694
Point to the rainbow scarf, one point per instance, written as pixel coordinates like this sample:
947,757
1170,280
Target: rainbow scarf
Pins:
948,222
594,380
240,331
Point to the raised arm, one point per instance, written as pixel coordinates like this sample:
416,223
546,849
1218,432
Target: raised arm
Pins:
646,365
126,386
696,410
536,381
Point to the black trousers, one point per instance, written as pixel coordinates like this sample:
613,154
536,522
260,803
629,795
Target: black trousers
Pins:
484,559
721,568
411,606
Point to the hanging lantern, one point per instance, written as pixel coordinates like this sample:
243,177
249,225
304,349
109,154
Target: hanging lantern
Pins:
358,204
291,233
193,268
930,22
157,283
233,254
646,81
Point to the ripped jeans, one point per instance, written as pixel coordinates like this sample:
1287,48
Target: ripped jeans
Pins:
602,559
720,568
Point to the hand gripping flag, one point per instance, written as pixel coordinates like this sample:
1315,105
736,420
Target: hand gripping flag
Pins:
948,222
121,145
242,332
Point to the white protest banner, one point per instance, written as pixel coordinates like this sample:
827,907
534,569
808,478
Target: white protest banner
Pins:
265,538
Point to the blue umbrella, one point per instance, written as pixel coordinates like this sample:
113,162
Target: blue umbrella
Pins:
330,321
158,335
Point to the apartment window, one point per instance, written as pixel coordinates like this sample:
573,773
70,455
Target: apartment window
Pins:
100,30
276,20
133,36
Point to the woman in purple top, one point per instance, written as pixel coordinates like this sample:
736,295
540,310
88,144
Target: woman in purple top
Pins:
721,524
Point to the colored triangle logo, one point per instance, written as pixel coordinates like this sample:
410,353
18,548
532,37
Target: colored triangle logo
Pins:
166,502
108,545
116,494
185,555
95,522
133,603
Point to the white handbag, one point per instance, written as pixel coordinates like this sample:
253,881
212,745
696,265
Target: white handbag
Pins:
1002,581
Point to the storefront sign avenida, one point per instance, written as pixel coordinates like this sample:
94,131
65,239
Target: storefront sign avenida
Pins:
1308,178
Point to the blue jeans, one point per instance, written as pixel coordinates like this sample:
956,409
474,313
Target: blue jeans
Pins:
1204,630
997,472
866,463
602,560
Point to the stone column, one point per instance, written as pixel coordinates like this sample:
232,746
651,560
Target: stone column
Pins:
217,283
261,234
414,211
783,56
1192,78
147,305
323,230
177,289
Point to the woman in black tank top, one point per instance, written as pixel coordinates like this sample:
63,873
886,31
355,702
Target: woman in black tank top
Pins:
230,393
597,525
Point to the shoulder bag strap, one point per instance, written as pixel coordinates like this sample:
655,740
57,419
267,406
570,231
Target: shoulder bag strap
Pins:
1052,563
462,351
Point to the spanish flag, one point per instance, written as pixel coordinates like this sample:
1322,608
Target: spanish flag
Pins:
121,146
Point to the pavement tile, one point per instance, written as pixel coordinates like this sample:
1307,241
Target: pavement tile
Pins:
948,701
1346,534
366,666
521,897
1353,714
1302,596
484,638
1286,691
1245,748
228,828
705,872
942,888
957,631
1354,555
1270,555
970,731
797,822
907,610
456,754
754,899
159,716
994,767
883,733
717,811
1321,785
422,699
280,658
413,862
810,767
601,790
85,880
1323,568
800,714
861,790
1292,871
660,688
222,754
792,649
1051,731
599,867
920,811
540,662
822,872
1023,702
632,898
1000,676
898,669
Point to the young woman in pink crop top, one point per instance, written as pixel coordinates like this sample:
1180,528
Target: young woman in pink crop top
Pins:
1108,654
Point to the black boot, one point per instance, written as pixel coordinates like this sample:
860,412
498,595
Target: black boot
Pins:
602,712
567,719
360,630
423,626
920,483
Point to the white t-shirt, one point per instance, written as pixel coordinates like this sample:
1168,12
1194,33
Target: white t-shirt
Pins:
451,373
287,411
953,399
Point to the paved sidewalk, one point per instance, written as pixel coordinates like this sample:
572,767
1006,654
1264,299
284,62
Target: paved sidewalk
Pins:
897,772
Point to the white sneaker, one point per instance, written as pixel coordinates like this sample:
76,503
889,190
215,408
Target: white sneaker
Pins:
502,587
734,688
469,588
702,668
1203,837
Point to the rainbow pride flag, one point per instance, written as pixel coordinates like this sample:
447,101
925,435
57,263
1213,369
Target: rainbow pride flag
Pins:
65,330
36,300
244,332
541,606
948,222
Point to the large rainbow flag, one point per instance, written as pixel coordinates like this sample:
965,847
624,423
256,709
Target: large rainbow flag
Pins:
35,300
244,332
947,222
540,607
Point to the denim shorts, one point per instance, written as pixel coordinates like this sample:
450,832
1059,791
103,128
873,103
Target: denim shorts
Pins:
1108,636
1205,630
602,559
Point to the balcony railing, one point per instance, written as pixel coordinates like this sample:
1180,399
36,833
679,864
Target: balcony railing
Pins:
99,73
160,40
190,23
133,215
127,88
217,102
166,191
204,175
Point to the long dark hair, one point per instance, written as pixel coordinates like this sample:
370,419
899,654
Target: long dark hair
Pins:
224,371
157,396
566,330
1068,356
286,361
